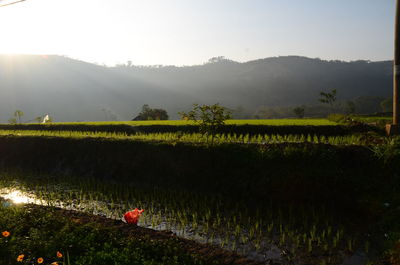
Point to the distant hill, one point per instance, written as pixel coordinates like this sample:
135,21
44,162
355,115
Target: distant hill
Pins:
72,90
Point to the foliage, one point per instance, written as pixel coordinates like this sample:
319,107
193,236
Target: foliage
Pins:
368,104
337,117
387,105
299,112
13,121
209,117
350,107
328,97
389,151
148,113
18,114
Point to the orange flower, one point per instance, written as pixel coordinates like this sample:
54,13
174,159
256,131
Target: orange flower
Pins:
40,260
59,254
6,234
20,258
54,263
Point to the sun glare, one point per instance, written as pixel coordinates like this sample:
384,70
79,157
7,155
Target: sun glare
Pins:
18,197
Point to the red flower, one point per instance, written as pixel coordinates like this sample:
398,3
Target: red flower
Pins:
132,217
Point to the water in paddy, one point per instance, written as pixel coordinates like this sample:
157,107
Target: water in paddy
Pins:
258,239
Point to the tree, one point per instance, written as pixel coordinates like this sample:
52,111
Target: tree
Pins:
209,117
217,59
148,113
350,107
329,97
105,113
299,112
12,121
368,104
387,105
18,114
38,119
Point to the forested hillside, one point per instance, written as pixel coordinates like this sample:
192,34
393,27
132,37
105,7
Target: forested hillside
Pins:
72,90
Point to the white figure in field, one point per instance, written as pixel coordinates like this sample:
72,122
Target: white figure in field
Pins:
46,118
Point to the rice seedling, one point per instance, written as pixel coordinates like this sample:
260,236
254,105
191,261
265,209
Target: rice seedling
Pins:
196,138
207,219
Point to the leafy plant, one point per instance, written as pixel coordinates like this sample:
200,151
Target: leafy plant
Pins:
350,107
328,97
299,112
18,114
337,117
148,113
12,121
209,117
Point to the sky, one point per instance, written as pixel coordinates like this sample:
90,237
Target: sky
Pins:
189,32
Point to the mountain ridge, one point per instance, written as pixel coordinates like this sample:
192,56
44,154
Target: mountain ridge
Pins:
74,90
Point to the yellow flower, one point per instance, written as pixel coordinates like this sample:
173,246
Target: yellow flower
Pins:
59,254
54,263
6,234
40,260
20,258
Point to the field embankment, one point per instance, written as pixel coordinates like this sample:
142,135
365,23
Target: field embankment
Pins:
330,129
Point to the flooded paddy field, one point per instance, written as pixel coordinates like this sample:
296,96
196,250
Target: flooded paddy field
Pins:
270,203
282,234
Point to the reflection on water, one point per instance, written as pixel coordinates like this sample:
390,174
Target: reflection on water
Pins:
18,197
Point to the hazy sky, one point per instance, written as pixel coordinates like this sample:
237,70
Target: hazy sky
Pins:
186,32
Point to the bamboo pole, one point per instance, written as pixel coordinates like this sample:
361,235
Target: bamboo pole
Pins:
396,70
394,129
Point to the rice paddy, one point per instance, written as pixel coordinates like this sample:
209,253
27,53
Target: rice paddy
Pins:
257,226
274,122
271,232
197,138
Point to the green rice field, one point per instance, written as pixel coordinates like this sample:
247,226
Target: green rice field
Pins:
282,198
197,138
275,122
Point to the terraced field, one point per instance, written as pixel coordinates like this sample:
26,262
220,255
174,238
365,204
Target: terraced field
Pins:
272,197
275,122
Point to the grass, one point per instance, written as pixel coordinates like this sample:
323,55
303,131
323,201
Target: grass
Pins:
373,119
275,122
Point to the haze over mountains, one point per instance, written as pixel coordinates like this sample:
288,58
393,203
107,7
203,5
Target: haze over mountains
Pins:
72,90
